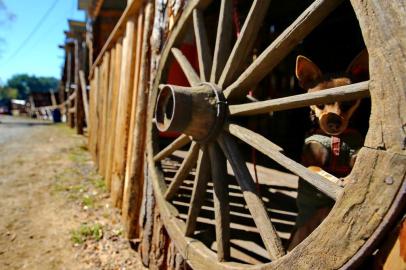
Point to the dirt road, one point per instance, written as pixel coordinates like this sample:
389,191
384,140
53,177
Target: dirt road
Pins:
54,208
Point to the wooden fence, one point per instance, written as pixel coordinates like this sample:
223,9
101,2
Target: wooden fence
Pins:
117,110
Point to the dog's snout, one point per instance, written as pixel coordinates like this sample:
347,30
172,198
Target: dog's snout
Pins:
334,122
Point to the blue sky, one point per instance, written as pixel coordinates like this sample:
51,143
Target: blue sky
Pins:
40,55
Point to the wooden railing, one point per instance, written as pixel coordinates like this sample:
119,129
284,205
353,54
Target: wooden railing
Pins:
117,110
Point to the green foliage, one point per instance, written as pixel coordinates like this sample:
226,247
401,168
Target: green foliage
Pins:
26,84
88,201
87,232
99,183
7,93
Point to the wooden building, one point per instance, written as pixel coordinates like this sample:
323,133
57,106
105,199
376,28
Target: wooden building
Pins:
73,90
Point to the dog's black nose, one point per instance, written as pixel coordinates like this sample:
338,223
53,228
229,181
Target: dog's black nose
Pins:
334,122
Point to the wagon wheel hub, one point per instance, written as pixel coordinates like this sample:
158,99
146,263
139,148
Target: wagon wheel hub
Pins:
197,111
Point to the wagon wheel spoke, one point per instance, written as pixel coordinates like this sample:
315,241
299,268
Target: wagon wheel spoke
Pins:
342,93
186,67
281,47
222,46
203,49
254,202
199,191
183,171
181,141
221,201
274,152
245,41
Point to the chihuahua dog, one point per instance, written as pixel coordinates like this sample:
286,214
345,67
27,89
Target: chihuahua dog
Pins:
332,146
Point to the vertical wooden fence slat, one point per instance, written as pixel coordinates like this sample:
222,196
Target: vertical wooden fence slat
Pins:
83,85
135,182
138,43
132,140
98,103
109,115
105,111
123,113
96,112
112,128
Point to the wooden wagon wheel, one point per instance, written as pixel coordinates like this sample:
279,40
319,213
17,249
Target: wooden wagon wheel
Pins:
376,184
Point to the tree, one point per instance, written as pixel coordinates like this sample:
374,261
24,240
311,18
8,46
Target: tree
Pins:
26,84
7,93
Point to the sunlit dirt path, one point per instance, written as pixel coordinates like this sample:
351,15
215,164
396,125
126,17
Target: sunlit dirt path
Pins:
54,209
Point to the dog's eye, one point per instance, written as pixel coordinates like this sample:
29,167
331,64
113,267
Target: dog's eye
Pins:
320,106
346,105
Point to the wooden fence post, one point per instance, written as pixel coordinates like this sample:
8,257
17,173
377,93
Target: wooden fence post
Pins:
83,85
123,113
113,113
103,87
133,190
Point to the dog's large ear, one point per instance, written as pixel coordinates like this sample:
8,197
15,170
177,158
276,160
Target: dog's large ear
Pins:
359,67
307,72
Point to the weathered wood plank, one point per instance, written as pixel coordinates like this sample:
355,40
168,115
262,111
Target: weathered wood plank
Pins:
135,182
113,113
109,114
254,202
83,85
271,150
104,111
123,113
100,109
93,114
342,93
384,35
282,46
133,113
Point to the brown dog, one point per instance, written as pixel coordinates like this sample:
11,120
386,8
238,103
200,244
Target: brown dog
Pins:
332,146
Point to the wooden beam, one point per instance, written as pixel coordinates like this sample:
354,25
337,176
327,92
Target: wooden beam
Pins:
118,31
341,93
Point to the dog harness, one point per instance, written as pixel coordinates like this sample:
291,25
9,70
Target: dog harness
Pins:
341,149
